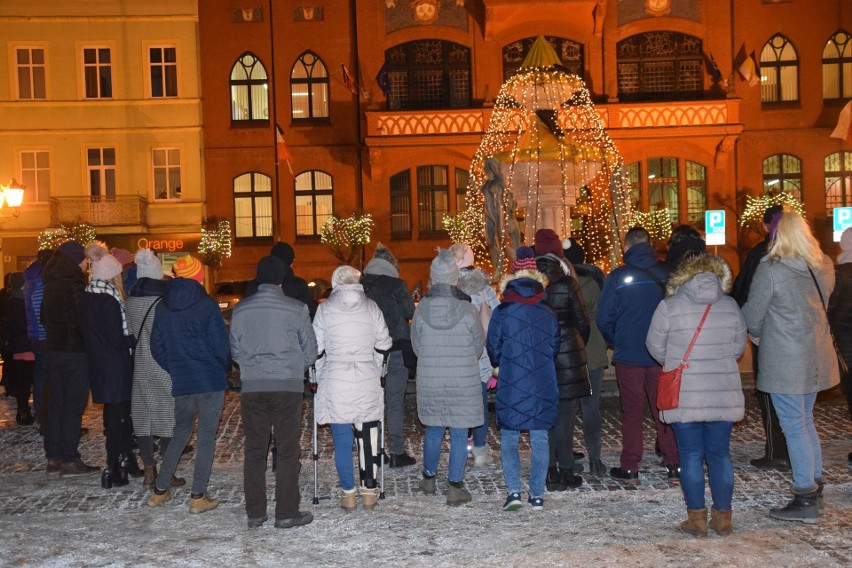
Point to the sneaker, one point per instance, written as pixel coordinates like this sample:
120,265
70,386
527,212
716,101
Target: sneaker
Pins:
401,460
77,467
673,473
301,519
158,498
201,504
625,475
53,466
537,503
427,485
258,522
513,502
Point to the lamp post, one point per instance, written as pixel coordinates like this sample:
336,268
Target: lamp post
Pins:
13,195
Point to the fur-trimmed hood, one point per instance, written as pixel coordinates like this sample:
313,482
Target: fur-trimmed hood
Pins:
473,280
716,279
532,274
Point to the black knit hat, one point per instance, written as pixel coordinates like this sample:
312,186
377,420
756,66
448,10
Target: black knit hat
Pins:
573,251
270,270
283,251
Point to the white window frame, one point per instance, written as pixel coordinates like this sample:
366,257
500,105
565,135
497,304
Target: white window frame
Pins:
29,177
31,66
99,66
151,65
102,170
168,167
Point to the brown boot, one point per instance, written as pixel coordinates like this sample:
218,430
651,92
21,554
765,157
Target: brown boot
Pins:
720,521
696,524
369,498
349,500
150,476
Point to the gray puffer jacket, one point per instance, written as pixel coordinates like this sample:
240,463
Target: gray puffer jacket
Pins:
448,338
711,388
784,311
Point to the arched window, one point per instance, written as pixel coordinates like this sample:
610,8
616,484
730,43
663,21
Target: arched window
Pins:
779,70
837,67
782,172
249,90
429,73
696,191
570,54
309,88
314,202
838,181
252,205
658,66
663,184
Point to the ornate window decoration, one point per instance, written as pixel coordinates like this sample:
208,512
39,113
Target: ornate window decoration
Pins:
400,196
779,70
658,66
570,54
838,181
428,74
252,206
249,91
309,86
837,67
314,202
783,172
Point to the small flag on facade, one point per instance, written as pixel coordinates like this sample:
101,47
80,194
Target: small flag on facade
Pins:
349,80
714,71
747,66
383,80
843,130
283,150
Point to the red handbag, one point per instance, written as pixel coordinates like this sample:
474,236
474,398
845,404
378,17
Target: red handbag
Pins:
668,388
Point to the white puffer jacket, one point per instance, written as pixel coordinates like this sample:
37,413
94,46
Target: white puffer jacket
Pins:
349,328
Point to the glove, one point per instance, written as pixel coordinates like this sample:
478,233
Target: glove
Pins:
491,384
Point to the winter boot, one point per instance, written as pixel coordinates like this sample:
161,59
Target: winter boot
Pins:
481,455
118,474
696,523
369,498
106,478
130,465
804,507
157,497
427,485
720,521
201,503
597,467
820,500
24,417
554,481
570,479
150,476
349,500
457,494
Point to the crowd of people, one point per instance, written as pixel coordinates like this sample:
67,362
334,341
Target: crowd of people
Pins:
155,351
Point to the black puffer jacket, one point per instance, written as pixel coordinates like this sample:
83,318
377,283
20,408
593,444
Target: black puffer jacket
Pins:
564,296
840,309
382,285
64,286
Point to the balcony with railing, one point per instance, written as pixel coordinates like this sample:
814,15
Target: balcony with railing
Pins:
125,210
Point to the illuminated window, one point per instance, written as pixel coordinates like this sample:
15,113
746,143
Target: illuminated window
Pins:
97,72
696,191
252,205
570,54
837,67
658,66
314,202
166,163
663,186
309,88
249,91
782,172
779,70
35,175
838,181
667,187
427,74
30,73
100,166
163,66
462,178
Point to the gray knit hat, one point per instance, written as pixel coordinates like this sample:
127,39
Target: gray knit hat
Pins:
444,269
385,254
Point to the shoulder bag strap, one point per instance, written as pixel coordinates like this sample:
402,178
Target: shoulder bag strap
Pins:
697,331
655,279
144,319
821,299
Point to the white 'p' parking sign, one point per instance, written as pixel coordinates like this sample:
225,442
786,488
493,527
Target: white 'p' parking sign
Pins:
714,224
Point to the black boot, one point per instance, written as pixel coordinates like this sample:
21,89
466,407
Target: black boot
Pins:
106,478
118,475
24,417
554,481
804,507
569,479
130,465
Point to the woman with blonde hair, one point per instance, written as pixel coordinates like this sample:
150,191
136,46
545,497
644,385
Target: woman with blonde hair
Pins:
786,315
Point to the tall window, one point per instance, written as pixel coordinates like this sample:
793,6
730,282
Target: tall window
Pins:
101,169
838,181
30,73
309,88
427,74
314,202
634,185
779,70
35,175
433,201
837,67
696,191
462,179
400,194
673,185
570,54
252,205
167,182
249,86
663,185
783,172
657,66
97,72
163,64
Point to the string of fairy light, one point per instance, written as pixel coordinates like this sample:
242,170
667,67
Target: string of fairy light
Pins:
756,206
215,242
357,229
83,233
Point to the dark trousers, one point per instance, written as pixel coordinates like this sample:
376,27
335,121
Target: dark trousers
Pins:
776,443
561,437
69,395
39,378
282,411
118,431
19,380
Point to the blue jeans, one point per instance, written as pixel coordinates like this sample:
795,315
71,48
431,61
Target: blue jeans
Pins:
480,434
796,415
512,463
209,406
343,439
432,451
698,442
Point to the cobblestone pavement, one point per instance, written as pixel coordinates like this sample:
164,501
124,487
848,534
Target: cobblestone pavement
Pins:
32,503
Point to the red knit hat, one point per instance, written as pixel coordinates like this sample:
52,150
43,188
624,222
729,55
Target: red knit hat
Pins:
547,241
189,267
523,260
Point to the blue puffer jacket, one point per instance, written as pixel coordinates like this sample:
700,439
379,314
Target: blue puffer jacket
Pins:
627,304
189,339
523,340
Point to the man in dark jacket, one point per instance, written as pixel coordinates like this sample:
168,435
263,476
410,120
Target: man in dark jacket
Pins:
64,286
274,343
382,284
775,454
629,298
190,342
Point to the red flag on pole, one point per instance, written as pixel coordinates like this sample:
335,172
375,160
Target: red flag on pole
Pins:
283,150
351,84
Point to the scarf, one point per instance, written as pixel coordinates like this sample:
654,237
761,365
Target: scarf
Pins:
103,287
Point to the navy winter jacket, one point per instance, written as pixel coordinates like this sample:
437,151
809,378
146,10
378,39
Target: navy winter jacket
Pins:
189,339
628,301
523,340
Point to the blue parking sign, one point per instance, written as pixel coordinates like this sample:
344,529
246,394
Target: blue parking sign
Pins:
714,225
842,221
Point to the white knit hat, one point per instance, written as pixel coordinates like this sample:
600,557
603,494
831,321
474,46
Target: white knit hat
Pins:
148,265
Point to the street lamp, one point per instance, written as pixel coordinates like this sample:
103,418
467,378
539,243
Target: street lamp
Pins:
13,195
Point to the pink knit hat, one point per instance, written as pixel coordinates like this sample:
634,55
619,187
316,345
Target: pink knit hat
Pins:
463,254
104,265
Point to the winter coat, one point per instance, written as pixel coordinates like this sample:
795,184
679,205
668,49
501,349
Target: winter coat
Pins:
711,388
840,310
64,285
742,283
107,348
448,339
523,340
189,339
272,341
152,406
627,303
14,332
382,284
350,332
564,296
590,286
293,287
33,294
477,284
784,312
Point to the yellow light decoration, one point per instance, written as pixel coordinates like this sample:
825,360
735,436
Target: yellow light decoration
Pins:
215,243
347,237
756,206
83,233
657,223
